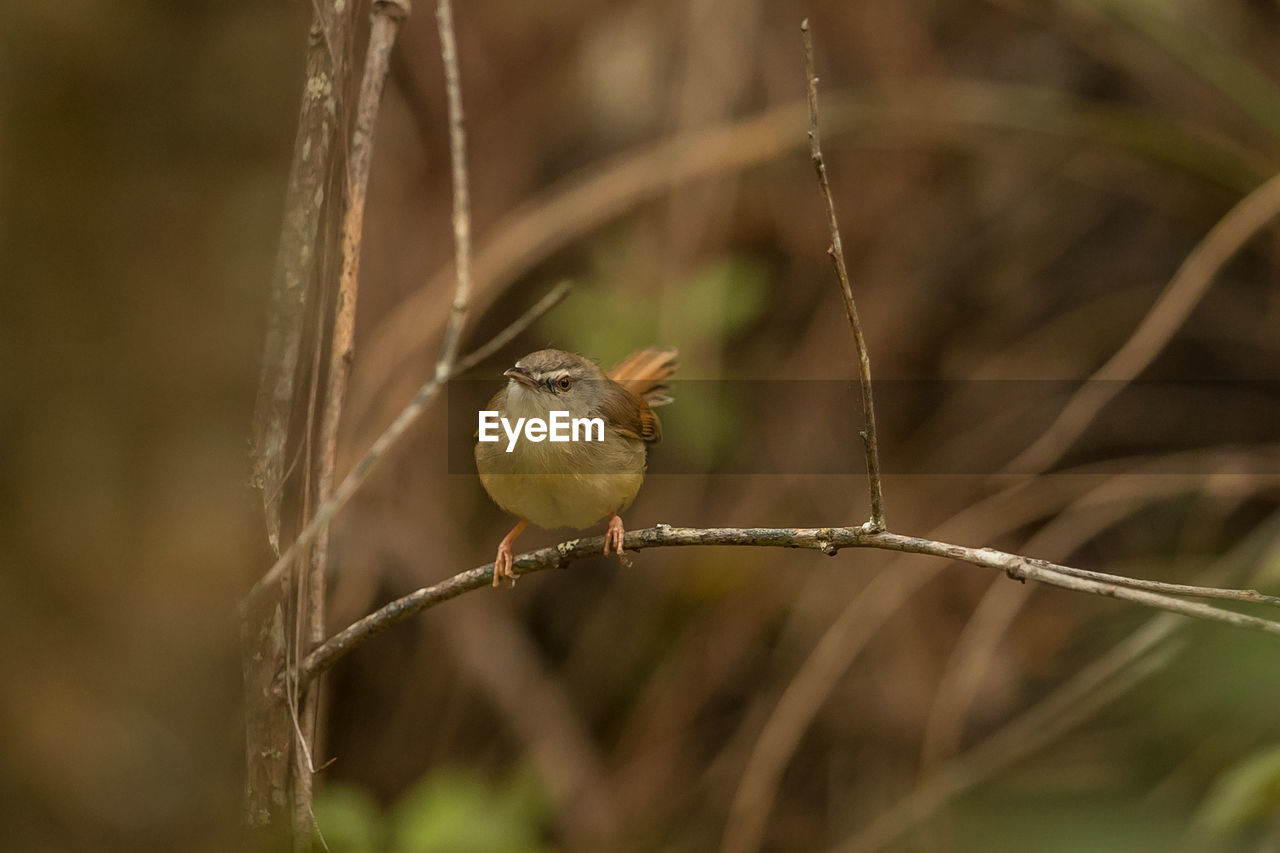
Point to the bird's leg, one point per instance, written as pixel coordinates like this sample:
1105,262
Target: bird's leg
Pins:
502,563
613,538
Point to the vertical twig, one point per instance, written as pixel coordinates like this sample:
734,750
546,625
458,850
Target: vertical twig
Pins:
461,192
386,18
870,443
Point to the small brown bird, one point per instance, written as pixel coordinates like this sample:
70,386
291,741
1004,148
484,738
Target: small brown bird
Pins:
588,458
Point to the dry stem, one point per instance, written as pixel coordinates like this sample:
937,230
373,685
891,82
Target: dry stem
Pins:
870,443
461,193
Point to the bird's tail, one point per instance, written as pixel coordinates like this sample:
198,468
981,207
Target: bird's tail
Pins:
644,373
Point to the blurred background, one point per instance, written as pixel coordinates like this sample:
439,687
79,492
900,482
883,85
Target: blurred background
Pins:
1017,184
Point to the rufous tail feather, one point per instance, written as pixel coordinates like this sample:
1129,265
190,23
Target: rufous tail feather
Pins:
643,373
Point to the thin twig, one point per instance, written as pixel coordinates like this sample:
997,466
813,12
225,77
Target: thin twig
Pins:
1252,596
461,192
352,482
870,443
829,540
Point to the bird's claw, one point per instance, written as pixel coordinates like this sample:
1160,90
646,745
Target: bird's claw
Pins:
502,573
613,539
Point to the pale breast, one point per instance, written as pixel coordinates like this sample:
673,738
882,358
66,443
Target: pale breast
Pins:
572,484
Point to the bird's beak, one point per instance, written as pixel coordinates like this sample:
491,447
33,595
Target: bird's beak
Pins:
522,376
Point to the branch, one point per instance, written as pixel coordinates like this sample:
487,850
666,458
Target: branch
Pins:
870,443
1252,596
828,540
355,479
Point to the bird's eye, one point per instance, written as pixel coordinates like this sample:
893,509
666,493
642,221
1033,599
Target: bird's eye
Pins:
563,383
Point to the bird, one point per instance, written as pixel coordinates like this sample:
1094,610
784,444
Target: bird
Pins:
597,472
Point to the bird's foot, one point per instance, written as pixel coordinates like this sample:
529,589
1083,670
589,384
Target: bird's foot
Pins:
613,539
503,573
